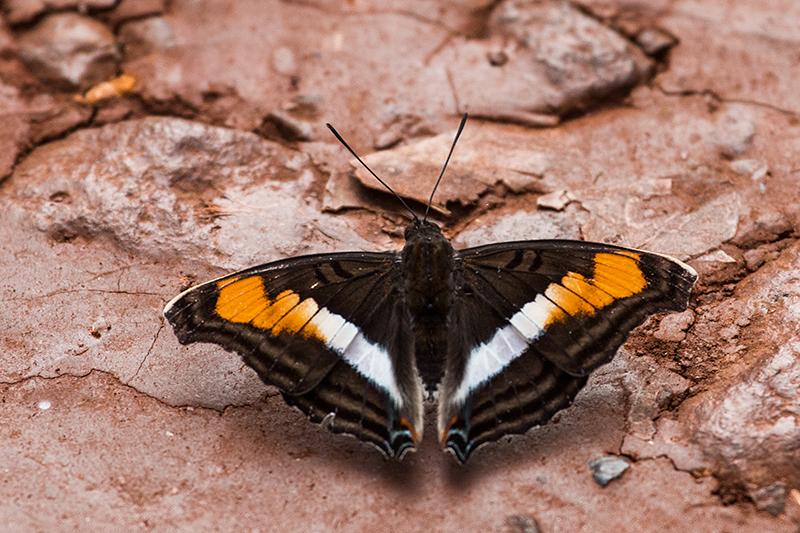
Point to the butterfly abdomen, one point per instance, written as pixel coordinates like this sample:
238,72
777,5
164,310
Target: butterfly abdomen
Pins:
428,266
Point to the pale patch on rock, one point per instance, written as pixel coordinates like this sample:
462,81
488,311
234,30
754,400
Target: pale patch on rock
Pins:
69,50
717,256
520,226
556,200
169,186
699,231
673,327
480,161
754,421
668,439
735,131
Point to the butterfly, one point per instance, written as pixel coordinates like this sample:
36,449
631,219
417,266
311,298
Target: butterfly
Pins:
502,336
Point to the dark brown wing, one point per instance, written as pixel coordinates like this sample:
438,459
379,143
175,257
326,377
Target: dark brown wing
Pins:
533,319
329,331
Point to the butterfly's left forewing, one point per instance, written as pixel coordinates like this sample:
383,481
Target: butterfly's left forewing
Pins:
327,331
532,320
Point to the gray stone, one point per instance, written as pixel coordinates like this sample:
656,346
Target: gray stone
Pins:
771,499
607,469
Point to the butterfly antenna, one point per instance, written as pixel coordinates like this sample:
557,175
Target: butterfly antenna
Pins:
339,137
458,134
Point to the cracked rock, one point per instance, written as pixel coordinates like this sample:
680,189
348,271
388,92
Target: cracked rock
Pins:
669,440
21,11
753,259
155,188
747,422
70,51
655,221
650,388
766,227
480,161
554,60
156,185
15,130
699,231
51,115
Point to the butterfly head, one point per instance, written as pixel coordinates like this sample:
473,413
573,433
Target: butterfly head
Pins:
422,230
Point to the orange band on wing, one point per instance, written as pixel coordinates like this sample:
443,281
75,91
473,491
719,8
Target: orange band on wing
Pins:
246,301
616,275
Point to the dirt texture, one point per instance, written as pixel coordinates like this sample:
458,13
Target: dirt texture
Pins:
149,145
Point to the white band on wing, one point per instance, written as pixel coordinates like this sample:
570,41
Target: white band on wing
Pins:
509,342
369,359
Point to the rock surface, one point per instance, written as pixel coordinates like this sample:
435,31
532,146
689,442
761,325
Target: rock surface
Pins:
217,158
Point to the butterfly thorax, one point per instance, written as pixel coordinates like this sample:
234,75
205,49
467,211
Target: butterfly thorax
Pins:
428,267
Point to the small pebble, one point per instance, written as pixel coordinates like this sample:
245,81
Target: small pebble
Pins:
605,469
771,499
655,41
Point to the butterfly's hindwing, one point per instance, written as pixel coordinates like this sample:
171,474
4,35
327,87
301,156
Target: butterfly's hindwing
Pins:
327,331
534,318
525,393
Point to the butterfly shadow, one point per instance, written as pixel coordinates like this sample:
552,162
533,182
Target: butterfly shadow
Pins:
594,424
274,435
